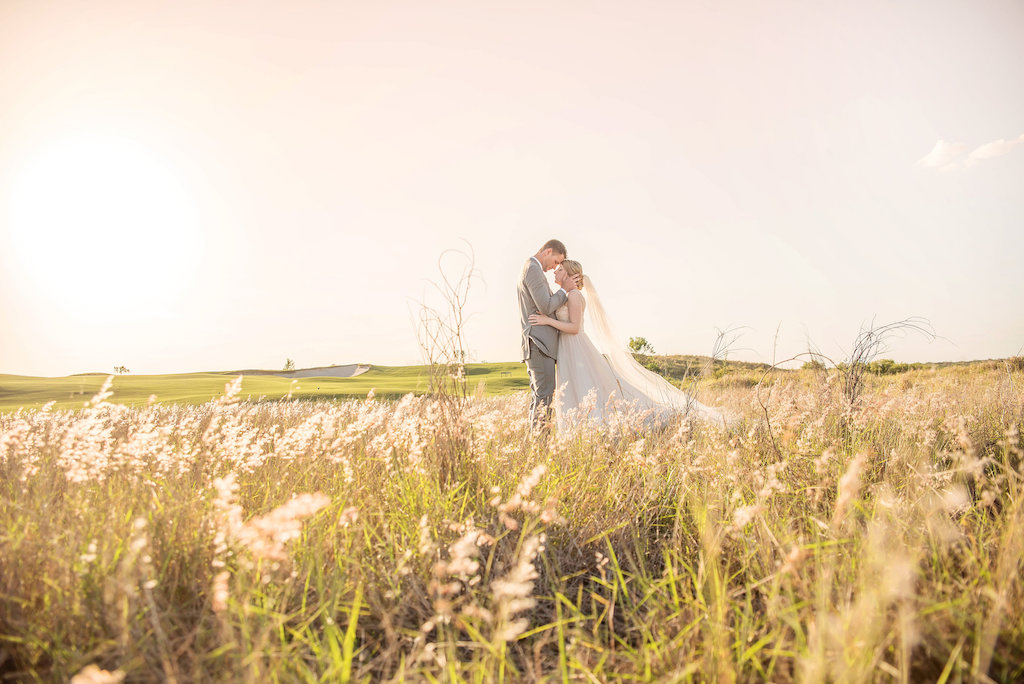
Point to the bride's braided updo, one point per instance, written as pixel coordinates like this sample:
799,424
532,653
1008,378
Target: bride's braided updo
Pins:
573,269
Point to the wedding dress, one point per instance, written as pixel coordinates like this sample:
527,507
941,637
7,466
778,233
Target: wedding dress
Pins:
597,382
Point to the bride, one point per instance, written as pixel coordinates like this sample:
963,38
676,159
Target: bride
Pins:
616,380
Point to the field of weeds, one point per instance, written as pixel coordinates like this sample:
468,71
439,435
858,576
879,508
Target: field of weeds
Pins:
370,540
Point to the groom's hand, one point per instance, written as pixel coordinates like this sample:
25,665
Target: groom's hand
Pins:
569,284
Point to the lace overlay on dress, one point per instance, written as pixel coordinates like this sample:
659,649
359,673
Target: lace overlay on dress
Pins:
562,313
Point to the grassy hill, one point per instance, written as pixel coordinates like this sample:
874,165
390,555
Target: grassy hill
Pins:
197,388
17,391
683,366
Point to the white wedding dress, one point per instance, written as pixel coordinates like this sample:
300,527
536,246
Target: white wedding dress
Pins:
603,384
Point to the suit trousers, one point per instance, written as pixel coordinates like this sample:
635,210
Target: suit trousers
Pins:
542,385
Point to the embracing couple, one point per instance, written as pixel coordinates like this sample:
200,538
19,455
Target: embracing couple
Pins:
594,378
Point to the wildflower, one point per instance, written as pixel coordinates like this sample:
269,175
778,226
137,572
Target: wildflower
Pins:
898,576
266,535
462,555
636,452
849,487
772,483
513,592
521,499
822,461
426,546
100,398
451,576
794,559
550,515
91,674
348,516
231,392
956,498
478,612
744,515
220,592
90,555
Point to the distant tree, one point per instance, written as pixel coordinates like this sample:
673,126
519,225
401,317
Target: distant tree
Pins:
640,345
890,367
642,352
883,367
121,370
289,365
814,365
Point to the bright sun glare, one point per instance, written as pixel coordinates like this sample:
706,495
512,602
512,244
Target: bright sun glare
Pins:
103,227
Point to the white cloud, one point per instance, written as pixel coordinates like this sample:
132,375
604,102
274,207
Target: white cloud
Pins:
996,148
944,156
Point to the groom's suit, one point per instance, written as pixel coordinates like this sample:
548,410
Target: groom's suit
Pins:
540,344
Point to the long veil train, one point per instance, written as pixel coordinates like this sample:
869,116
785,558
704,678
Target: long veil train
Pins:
638,384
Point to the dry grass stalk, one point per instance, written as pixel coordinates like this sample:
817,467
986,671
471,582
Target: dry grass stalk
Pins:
882,543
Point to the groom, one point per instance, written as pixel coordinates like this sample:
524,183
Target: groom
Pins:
540,344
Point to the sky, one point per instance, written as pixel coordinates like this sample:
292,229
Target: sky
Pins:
212,185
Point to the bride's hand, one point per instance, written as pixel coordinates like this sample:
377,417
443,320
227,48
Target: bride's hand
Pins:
538,319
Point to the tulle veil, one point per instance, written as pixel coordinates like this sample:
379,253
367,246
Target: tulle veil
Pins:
638,384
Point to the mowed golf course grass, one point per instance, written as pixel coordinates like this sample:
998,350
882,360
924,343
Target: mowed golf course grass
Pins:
73,391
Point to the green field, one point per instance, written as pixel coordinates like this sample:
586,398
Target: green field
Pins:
73,391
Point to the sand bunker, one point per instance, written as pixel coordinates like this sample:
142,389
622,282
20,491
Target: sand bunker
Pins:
347,371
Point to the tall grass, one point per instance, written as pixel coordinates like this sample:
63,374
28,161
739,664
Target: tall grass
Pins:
358,540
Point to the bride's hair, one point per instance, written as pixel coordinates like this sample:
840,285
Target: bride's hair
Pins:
573,269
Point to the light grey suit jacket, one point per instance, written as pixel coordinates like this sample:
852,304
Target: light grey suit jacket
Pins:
535,297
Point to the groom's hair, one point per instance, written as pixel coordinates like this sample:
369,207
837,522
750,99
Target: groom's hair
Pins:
555,246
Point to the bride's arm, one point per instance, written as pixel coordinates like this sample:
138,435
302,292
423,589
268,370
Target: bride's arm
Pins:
575,322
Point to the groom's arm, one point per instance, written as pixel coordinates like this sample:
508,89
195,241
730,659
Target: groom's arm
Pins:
571,326
537,284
